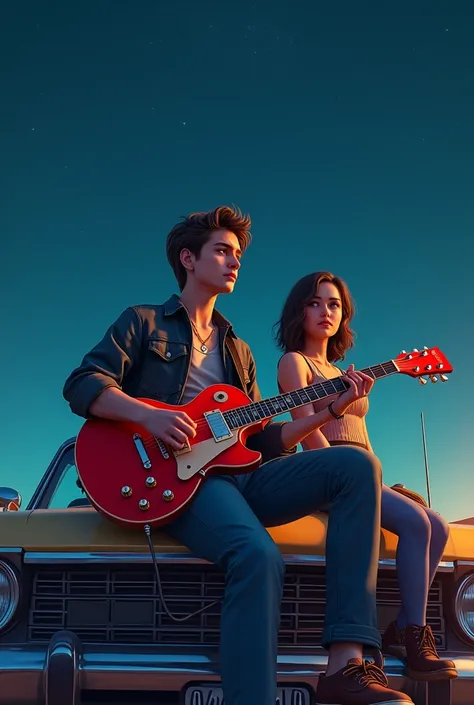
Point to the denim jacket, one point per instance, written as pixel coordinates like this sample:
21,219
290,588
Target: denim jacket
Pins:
146,353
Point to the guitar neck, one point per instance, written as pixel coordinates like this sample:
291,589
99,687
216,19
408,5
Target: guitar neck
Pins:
267,408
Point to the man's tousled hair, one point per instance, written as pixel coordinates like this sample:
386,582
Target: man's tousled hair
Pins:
196,229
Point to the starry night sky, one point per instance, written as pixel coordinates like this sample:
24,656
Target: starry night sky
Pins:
344,128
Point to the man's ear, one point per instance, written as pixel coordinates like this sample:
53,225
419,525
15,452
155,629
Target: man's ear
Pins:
187,259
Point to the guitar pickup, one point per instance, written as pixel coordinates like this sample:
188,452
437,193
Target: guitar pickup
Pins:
218,425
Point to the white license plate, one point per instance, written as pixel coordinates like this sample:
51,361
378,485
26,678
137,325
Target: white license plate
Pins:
211,694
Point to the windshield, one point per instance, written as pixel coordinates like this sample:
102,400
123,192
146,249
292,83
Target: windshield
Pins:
62,490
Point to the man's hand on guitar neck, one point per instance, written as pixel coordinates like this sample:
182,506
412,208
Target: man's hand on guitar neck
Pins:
169,425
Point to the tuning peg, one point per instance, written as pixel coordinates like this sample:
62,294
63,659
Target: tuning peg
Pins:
403,352
425,347
415,350
444,378
422,380
433,378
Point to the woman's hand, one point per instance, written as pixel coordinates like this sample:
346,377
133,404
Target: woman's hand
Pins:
360,386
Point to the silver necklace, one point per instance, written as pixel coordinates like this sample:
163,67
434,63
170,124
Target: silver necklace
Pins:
204,349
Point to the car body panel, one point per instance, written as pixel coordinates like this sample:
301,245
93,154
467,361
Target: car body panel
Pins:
83,529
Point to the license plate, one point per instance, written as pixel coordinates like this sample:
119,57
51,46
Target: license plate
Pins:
211,694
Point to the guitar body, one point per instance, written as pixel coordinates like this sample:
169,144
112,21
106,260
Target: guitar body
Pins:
134,479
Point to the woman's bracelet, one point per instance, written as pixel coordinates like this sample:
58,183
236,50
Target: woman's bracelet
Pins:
333,413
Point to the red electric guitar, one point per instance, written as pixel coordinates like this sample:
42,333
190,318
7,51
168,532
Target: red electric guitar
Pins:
135,479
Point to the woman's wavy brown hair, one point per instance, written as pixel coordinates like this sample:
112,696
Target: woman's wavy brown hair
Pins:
289,330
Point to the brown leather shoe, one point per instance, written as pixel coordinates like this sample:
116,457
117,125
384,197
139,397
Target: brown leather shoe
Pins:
359,683
423,661
393,641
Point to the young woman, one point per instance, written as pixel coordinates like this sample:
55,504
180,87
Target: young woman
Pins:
314,332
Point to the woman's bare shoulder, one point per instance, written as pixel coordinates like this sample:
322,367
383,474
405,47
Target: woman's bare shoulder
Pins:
293,371
291,361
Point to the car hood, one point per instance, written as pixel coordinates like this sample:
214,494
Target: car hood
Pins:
84,529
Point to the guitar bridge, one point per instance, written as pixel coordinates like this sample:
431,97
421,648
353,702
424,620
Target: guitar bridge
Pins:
185,449
218,425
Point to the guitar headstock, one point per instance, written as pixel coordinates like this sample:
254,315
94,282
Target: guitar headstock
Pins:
429,362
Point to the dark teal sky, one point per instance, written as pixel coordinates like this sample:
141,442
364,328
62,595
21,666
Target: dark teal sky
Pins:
344,128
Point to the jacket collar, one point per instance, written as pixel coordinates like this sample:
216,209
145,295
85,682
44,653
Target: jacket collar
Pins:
173,305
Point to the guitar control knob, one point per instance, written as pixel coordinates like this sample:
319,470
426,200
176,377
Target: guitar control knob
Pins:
126,491
422,380
433,378
150,482
443,378
168,496
144,504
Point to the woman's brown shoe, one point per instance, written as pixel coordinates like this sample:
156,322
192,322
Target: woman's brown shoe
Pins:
393,641
423,661
417,645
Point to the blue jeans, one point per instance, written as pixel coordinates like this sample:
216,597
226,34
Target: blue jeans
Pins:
225,525
422,537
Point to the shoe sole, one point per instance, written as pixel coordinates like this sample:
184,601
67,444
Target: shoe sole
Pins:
442,675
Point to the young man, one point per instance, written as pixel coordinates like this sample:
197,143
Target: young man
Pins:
170,352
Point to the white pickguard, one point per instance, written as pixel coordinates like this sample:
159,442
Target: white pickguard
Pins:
189,464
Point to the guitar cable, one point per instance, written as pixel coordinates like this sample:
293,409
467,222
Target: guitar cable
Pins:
160,586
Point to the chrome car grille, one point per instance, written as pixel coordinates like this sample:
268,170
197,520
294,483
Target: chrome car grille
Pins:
121,605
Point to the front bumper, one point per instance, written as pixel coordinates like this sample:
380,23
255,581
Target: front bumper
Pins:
59,673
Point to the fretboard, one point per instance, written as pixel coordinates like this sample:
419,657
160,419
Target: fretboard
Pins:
267,408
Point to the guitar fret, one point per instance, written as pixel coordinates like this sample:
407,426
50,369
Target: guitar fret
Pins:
232,419
266,406
304,396
312,393
290,401
255,411
280,404
329,387
370,372
271,406
296,397
245,415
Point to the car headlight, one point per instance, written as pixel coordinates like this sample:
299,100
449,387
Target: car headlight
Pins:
9,593
464,606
